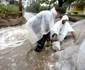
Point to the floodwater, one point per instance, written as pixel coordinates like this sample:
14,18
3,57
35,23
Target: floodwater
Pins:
15,51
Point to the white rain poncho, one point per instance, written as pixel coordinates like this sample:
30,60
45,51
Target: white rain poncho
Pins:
62,29
40,24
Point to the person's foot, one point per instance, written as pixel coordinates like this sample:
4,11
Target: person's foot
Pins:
37,50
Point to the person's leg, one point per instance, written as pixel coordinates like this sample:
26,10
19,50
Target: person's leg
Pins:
48,40
41,42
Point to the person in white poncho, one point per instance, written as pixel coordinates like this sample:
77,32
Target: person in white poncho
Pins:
59,32
40,25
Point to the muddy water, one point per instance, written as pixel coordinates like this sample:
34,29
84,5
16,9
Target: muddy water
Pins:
15,45
14,48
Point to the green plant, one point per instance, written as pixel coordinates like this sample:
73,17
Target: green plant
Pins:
8,9
12,9
43,8
34,7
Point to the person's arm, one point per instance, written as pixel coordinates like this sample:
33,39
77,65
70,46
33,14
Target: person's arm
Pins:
74,36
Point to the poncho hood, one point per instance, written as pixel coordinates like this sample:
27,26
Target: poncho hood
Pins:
54,12
65,17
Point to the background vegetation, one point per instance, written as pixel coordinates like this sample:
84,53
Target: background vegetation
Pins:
35,6
10,9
